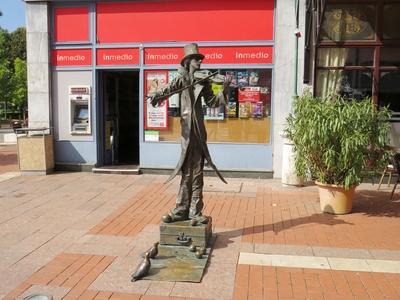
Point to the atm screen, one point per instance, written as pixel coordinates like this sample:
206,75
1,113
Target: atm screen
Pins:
81,114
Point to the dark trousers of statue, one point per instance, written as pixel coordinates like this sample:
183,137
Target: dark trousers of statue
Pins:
189,202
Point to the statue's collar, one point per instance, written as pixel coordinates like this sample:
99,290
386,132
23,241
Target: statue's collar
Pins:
183,71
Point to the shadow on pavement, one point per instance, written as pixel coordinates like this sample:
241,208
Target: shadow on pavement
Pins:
224,238
377,203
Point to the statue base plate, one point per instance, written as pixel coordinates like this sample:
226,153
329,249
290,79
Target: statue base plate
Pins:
177,263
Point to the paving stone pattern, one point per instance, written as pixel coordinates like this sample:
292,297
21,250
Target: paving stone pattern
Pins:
80,236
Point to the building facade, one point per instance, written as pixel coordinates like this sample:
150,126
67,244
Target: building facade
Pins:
92,63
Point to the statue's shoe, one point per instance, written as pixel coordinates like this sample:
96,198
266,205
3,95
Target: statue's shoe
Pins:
170,217
200,219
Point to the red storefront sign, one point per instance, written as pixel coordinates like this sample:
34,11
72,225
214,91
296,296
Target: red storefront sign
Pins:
71,57
237,55
189,20
120,56
71,24
213,55
163,56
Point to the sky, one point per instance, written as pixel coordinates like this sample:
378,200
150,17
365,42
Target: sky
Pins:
13,14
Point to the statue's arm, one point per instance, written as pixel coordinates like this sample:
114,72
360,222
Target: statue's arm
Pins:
166,91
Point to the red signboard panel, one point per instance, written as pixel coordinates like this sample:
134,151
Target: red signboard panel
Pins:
237,55
71,57
213,55
163,56
120,56
71,24
189,20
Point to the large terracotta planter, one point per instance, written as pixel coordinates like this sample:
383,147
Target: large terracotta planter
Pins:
335,199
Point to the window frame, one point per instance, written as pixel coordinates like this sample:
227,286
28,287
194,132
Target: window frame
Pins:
377,44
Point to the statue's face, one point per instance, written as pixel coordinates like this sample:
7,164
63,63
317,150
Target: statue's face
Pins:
195,63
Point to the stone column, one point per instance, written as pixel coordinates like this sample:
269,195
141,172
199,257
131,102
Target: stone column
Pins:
38,64
284,61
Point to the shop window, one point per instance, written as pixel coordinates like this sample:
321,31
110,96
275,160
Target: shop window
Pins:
353,59
334,75
245,118
348,22
347,83
391,21
389,94
340,57
390,57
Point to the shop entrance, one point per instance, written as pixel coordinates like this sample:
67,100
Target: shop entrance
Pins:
120,94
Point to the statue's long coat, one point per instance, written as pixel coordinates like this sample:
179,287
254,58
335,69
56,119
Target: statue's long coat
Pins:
192,120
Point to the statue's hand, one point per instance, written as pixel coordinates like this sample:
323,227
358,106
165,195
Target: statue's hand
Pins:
152,99
225,89
226,84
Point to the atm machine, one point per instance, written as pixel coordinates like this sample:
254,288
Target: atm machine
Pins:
80,115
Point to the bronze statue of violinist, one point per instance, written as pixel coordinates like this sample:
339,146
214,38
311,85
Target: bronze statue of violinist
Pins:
193,86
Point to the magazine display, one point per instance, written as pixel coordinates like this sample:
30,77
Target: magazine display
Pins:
231,110
253,78
214,113
243,78
249,94
244,109
257,110
233,78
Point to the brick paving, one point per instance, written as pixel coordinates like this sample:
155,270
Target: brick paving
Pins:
8,158
80,236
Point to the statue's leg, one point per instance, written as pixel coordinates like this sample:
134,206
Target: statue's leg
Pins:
196,203
181,210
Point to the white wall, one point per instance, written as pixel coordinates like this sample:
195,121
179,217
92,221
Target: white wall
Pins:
284,79
61,80
39,101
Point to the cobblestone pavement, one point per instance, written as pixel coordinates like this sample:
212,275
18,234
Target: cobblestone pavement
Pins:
80,236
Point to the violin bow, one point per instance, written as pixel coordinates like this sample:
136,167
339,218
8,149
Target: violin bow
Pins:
185,87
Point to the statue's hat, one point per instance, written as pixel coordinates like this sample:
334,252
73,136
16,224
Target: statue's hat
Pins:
191,51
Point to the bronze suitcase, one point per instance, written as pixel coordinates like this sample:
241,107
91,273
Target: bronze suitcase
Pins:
181,233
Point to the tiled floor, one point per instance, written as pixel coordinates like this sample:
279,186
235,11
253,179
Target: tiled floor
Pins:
80,236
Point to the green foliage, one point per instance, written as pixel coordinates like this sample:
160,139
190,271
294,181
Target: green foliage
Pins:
20,93
13,85
4,45
18,44
5,82
338,140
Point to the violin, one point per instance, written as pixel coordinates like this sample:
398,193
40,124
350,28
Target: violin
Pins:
214,77
200,76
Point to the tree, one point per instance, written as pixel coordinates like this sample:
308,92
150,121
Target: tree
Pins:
13,85
20,92
5,72
18,44
4,45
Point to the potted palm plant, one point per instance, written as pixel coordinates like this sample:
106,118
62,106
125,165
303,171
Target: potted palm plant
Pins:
338,141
